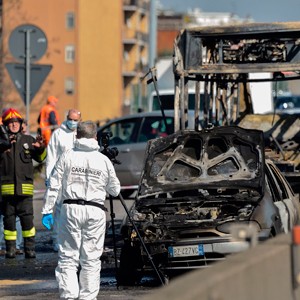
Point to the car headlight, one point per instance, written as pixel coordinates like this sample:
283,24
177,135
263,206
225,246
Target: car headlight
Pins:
239,229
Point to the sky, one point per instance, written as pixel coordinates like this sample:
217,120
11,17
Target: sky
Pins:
258,10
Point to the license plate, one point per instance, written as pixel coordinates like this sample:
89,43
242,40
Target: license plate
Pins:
181,251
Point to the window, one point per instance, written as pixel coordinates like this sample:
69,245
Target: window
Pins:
274,186
69,53
126,56
70,20
280,183
154,127
69,85
123,132
167,101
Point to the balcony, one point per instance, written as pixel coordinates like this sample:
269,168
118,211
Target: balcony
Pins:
131,37
129,74
134,5
131,69
129,33
142,37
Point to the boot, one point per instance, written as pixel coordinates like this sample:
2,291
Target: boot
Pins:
29,246
10,249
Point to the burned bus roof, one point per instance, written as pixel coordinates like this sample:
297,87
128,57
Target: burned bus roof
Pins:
246,28
246,48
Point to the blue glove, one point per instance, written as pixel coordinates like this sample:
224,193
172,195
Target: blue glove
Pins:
48,221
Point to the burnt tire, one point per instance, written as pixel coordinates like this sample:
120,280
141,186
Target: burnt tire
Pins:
129,273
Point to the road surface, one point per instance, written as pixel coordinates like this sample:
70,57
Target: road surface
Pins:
34,278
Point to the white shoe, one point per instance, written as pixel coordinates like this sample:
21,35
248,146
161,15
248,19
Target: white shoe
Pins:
55,247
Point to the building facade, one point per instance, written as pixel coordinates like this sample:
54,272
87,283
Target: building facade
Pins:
135,40
97,50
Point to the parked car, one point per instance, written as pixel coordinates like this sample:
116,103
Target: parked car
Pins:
195,190
130,135
287,104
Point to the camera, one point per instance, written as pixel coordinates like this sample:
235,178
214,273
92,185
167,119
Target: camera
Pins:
112,152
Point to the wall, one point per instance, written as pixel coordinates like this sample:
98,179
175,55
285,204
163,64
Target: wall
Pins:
262,273
99,59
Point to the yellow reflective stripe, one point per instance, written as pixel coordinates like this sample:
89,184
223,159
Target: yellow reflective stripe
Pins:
10,235
8,189
28,233
27,189
43,155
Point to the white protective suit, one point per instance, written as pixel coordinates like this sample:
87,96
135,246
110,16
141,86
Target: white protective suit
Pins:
81,173
62,139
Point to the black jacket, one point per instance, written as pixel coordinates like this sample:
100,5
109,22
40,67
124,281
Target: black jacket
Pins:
4,145
17,168
4,139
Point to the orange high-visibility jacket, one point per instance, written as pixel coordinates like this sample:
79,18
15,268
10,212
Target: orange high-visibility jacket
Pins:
47,124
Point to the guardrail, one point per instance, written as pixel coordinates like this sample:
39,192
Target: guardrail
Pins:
268,271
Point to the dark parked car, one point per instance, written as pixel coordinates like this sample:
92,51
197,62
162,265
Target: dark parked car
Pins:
130,135
288,104
195,190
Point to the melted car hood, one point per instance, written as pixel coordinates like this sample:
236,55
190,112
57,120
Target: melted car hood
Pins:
221,157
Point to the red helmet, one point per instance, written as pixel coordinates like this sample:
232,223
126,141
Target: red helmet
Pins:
11,114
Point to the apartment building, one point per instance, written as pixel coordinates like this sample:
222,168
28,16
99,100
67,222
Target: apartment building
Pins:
98,51
135,53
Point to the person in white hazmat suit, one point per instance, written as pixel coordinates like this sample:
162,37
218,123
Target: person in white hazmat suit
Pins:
85,176
61,140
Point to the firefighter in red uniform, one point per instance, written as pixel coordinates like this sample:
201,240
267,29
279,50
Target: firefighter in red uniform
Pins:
48,119
17,183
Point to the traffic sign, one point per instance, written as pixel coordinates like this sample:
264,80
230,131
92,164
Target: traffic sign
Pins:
17,73
37,42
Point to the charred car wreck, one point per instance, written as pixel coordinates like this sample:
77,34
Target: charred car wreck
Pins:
196,188
199,186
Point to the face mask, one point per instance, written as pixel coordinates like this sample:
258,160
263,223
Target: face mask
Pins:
72,125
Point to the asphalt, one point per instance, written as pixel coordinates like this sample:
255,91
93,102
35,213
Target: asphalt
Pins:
22,277
29,279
